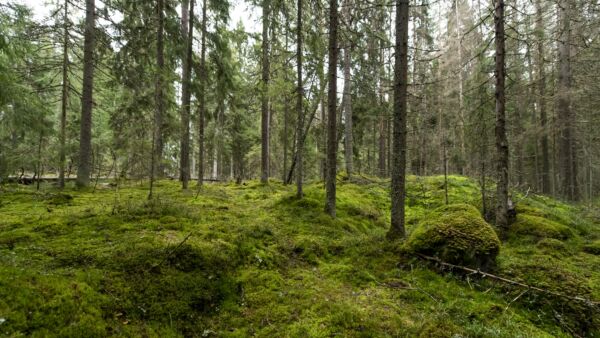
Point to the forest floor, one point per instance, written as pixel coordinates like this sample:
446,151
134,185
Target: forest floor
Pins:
251,260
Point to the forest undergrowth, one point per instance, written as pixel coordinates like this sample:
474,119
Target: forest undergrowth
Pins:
252,260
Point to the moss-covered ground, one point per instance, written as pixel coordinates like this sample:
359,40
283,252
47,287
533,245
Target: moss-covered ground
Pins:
251,260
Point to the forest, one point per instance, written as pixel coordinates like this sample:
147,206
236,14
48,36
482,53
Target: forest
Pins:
306,168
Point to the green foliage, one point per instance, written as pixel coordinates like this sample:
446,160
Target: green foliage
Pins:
456,233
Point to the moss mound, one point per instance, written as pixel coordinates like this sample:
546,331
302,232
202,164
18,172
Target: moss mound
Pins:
457,234
539,227
592,248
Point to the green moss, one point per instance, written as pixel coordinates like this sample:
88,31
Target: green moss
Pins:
592,248
260,262
440,329
553,246
456,234
538,227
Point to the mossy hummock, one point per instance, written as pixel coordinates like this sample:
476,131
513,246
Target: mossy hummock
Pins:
457,234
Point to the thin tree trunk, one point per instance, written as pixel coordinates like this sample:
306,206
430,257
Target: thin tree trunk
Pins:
202,98
264,178
331,160
461,113
398,188
65,98
501,140
87,102
158,97
299,108
347,100
187,24
39,161
323,165
286,109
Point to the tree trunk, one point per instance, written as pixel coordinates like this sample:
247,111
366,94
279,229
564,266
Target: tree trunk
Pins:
65,98
85,135
264,178
202,98
158,98
299,108
501,141
286,110
331,160
347,100
187,24
565,115
461,113
398,188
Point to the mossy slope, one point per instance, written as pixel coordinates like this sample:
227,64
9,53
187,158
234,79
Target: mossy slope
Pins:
252,260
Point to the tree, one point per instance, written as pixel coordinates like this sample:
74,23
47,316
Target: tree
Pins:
299,106
331,160
187,29
567,160
347,99
85,136
541,98
501,140
202,97
398,187
264,177
158,97
65,97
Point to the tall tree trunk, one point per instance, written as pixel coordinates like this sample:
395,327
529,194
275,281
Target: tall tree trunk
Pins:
264,178
65,98
202,98
299,108
331,160
398,189
382,116
501,140
565,116
158,98
187,24
286,109
461,113
545,172
347,100
323,164
87,101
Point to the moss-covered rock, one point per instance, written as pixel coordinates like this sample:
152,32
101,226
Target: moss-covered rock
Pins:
457,234
539,227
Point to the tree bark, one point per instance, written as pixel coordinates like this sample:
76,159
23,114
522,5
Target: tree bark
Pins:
347,100
566,145
398,188
202,98
501,140
65,98
85,135
331,160
264,178
461,113
187,25
158,98
541,104
286,109
299,107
